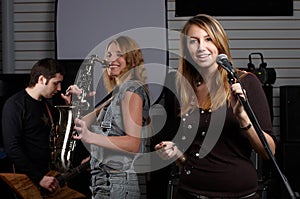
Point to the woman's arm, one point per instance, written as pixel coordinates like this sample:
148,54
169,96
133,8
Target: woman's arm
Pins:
258,103
132,109
253,138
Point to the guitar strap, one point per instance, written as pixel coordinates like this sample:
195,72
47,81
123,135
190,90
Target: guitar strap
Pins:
50,115
53,132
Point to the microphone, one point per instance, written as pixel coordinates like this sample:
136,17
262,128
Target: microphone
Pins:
104,63
222,59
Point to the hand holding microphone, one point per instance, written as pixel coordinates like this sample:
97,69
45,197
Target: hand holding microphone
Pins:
238,93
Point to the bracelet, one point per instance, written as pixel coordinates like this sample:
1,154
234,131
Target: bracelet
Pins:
246,127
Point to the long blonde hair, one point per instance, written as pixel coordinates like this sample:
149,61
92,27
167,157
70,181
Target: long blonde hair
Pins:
186,81
134,61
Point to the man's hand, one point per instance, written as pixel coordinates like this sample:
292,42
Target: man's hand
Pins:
50,183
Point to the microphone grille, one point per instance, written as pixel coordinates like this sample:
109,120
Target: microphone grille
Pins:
220,57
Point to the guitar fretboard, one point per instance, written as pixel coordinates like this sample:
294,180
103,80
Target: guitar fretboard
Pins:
65,177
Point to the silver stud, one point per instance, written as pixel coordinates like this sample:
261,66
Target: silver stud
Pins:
183,137
203,133
189,126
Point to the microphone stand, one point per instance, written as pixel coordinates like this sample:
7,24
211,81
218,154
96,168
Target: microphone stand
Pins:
231,78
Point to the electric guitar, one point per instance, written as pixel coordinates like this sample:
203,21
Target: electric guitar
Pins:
26,189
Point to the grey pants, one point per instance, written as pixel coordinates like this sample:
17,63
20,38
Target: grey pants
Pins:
114,185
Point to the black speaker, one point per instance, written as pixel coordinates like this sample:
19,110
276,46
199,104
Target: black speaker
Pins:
290,113
290,165
268,89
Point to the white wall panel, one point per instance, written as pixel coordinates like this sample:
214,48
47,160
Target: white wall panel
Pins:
34,26
34,22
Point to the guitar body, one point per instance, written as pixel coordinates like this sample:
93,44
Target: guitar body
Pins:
21,185
63,192
25,188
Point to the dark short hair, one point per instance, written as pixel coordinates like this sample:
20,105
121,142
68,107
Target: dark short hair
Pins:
47,67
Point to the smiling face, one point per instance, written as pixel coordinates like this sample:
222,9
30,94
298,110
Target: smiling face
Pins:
201,48
115,57
125,62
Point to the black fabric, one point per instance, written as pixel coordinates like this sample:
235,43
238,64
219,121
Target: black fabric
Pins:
227,170
26,126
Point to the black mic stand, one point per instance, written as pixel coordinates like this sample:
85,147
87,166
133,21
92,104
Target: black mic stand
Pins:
231,78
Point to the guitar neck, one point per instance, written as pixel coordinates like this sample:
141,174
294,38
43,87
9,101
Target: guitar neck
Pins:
65,177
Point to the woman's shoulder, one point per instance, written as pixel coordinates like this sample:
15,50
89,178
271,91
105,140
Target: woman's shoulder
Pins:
246,76
133,86
136,87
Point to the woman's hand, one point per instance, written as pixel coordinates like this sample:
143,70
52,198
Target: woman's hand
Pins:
72,90
238,109
237,106
167,150
83,132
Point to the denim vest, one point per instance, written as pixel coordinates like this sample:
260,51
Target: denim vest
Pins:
110,123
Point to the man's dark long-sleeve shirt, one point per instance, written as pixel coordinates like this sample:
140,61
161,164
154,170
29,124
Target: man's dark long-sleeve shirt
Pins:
26,126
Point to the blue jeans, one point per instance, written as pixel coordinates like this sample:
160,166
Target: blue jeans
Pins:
114,185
